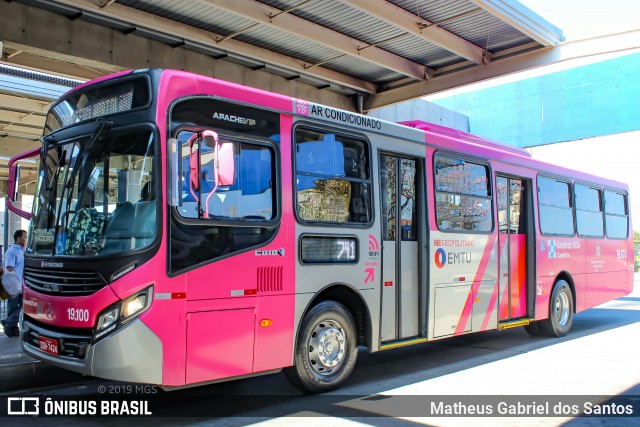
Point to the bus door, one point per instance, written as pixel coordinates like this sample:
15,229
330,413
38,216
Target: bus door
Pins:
513,210
400,279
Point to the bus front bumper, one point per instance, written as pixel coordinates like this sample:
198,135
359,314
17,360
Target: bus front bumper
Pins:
132,353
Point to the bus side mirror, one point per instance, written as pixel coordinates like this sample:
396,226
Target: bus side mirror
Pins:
226,164
14,181
174,188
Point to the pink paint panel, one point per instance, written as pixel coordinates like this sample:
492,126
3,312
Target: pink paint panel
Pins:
431,205
503,305
579,285
607,255
166,317
463,136
543,293
603,287
274,344
558,254
78,312
503,310
210,287
176,84
466,312
219,344
518,273
150,273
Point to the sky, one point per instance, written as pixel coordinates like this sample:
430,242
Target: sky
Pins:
583,19
580,19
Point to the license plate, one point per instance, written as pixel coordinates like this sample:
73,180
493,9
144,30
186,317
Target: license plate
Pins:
49,345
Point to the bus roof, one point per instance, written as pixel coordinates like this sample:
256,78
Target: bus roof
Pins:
434,135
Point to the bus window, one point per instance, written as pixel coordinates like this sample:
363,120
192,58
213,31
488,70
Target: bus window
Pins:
333,179
463,199
249,196
616,214
588,211
554,203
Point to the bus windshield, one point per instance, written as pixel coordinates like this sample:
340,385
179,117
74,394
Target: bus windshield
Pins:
95,195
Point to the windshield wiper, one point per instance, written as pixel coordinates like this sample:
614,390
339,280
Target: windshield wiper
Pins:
67,187
105,125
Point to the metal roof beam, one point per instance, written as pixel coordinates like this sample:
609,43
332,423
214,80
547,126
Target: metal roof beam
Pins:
622,42
291,24
24,104
523,19
414,25
146,20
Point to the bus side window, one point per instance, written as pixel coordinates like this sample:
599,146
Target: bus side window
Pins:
463,196
556,209
242,188
616,215
333,178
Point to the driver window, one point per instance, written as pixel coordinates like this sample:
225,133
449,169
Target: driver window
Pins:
249,197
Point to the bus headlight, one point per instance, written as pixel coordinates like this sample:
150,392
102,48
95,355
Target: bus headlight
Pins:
133,305
107,321
121,313
136,304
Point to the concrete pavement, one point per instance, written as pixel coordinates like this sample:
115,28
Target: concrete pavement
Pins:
599,357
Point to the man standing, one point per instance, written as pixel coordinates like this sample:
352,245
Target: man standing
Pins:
14,262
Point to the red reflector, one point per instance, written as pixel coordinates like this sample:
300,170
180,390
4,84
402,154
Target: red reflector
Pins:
250,291
462,279
388,283
178,295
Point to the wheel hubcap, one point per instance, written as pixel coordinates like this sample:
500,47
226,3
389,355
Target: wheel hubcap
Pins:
562,309
327,347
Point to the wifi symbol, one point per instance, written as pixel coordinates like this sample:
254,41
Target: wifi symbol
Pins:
373,243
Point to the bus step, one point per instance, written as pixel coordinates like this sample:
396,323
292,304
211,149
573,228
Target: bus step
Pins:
514,324
395,344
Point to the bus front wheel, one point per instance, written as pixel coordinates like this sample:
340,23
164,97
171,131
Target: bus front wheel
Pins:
560,311
326,349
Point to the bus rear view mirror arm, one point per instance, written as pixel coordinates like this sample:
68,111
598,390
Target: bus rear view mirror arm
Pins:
14,181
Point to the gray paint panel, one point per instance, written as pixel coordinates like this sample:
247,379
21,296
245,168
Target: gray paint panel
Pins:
409,290
449,302
141,362
388,318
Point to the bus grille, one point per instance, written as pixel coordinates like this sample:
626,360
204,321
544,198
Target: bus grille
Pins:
70,344
62,282
269,279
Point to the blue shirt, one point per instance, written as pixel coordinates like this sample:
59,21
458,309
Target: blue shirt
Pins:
14,257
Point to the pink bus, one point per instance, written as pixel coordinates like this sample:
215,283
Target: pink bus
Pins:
186,230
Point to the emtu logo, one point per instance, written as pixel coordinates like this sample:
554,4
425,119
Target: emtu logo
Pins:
440,258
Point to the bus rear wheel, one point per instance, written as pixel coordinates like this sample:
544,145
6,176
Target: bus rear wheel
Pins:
326,349
560,311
